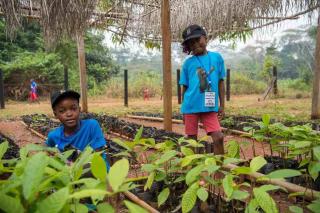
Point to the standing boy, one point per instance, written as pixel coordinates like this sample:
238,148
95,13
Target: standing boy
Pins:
202,80
74,133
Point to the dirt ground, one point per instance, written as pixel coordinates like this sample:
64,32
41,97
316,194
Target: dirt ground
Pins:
281,108
19,133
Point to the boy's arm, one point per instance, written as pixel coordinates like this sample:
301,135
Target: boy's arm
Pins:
221,98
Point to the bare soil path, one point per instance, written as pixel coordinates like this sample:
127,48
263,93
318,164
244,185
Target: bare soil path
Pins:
19,133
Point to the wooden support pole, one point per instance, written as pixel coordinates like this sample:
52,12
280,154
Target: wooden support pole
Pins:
1,90
126,88
83,72
315,111
275,83
66,77
178,86
166,64
228,85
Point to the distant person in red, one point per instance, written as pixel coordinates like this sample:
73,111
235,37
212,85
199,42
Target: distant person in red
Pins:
33,91
146,94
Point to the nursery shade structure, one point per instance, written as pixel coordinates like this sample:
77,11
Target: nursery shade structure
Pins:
160,21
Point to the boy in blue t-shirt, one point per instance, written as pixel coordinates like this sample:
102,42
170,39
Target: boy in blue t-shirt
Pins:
202,87
74,133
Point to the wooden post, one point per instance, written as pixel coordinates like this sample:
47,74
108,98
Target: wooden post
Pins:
315,111
178,86
228,85
83,72
1,90
166,64
275,77
126,88
66,77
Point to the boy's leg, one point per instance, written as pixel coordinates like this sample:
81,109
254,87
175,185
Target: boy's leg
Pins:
191,125
212,126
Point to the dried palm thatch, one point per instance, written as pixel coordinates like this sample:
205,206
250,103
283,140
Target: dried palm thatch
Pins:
141,18
217,16
58,17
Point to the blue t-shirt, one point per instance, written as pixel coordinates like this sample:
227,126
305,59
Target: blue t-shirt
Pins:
89,133
193,99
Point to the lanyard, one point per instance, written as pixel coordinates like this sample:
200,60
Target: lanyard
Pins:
203,67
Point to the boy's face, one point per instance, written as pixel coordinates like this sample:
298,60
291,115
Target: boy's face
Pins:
198,46
67,111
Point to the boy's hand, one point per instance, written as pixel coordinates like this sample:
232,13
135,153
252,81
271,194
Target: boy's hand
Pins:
221,113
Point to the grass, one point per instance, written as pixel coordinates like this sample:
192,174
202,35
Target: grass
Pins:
281,108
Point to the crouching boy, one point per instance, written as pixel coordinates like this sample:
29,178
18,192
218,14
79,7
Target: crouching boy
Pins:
74,133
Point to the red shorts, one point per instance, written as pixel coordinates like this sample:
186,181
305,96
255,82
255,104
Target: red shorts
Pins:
33,96
209,120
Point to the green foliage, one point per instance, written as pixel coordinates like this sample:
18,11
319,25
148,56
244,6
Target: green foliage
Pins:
243,84
40,183
163,196
189,198
26,57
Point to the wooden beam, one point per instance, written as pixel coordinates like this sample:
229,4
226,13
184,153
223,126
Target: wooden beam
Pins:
178,86
315,111
125,88
1,90
166,64
83,72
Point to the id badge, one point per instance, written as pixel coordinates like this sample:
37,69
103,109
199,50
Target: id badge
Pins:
209,99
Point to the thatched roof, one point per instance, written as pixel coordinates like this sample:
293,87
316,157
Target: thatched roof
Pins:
141,18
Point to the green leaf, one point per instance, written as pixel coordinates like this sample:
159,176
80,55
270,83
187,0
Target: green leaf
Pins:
134,208
316,152
78,208
179,179
314,206
239,195
252,206
295,209
148,167
88,193
266,119
166,156
231,160
10,204
186,151
118,173
3,148
269,187
189,198
163,196
188,159
33,174
233,149
256,163
314,169
98,167
121,143
242,170
301,144
265,201
212,168
193,174
193,143
54,202
105,208
283,173
137,137
227,184
149,181
202,194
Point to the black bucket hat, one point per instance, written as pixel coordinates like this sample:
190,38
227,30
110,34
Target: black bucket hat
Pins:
193,31
59,95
